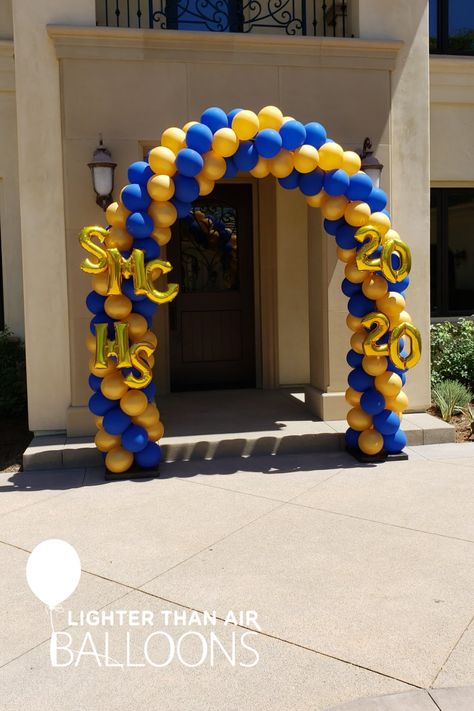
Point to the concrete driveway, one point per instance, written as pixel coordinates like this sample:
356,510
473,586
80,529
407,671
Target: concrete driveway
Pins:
361,579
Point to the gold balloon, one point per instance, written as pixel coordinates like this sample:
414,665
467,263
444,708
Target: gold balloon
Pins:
137,326
151,338
354,322
118,460
245,124
102,372
353,397
370,442
100,283
214,166
353,273
116,214
357,213
391,303
134,403
225,142
398,403
306,158
374,365
282,164
161,187
206,186
119,238
399,318
90,343
162,161
357,341
155,432
330,156
163,213
316,200
358,419
262,169
149,417
118,307
98,419
113,386
351,162
380,221
188,125
270,117
105,441
333,208
174,139
345,255
162,235
374,286
388,383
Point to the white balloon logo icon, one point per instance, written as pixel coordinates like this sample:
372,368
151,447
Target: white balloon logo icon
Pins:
53,571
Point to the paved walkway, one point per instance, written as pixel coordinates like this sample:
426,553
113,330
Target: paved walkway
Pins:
362,579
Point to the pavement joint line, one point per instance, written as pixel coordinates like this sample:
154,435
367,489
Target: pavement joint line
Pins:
433,700
452,650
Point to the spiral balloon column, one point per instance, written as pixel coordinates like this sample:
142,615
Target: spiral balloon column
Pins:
125,263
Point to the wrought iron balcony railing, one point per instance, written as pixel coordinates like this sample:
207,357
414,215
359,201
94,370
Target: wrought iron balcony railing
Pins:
290,17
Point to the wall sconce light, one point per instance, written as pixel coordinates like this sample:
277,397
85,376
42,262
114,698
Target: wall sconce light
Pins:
370,164
102,171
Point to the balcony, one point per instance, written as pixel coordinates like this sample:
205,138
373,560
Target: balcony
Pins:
326,18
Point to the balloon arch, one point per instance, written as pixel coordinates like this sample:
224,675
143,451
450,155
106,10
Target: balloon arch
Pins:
124,261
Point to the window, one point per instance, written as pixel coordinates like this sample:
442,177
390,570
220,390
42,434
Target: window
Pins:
451,26
452,251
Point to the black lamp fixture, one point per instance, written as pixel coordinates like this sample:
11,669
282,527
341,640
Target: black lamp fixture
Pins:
370,164
102,171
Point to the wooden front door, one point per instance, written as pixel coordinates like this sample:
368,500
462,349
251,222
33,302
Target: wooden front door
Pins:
212,323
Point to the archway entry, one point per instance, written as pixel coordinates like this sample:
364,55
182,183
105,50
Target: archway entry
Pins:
125,264
212,323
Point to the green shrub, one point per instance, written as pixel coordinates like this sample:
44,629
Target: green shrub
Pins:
451,397
12,374
452,352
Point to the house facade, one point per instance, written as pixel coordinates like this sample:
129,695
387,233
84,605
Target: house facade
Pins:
74,70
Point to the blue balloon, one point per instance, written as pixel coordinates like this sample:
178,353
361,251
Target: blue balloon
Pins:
354,359
150,391
185,189
116,421
293,135
199,138
151,249
400,286
99,404
360,187
149,457
268,142
135,438
372,402
377,200
140,224
94,382
139,172
350,289
291,181
129,290
359,305
311,183
315,134
394,443
246,156
189,162
345,236
331,226
336,182
232,114
215,118
101,317
359,380
95,302
145,308
182,208
135,197
352,438
387,422
231,169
